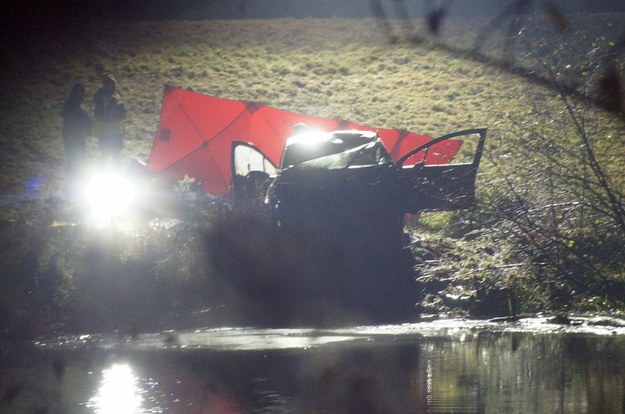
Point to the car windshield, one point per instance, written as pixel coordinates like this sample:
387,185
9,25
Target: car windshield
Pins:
342,149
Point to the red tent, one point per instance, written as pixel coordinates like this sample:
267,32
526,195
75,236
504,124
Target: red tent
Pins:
196,132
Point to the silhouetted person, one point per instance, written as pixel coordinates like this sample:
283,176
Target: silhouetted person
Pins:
109,116
76,129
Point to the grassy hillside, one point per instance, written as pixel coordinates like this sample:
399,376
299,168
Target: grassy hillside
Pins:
331,67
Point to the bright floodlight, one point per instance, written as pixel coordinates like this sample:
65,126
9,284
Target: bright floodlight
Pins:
108,195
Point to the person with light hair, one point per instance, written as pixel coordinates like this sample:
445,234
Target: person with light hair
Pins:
109,116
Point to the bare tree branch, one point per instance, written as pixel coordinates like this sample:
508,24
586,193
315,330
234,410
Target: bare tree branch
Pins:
510,19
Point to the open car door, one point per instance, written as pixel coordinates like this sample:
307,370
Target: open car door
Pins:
428,185
251,172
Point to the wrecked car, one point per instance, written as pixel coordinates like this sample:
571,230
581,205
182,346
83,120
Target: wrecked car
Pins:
349,178
335,173
313,224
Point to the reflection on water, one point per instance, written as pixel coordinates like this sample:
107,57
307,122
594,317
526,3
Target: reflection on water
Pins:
392,369
119,391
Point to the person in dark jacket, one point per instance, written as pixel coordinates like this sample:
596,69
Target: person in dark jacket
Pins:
76,129
109,116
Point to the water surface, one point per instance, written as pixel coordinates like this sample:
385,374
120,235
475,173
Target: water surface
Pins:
447,366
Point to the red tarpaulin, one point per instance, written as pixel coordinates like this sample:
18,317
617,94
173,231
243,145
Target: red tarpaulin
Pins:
196,132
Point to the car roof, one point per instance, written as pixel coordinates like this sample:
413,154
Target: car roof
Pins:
321,136
308,145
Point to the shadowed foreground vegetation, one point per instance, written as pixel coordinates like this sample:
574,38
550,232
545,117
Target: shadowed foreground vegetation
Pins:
546,236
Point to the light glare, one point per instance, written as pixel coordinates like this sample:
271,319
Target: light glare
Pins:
108,195
118,392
